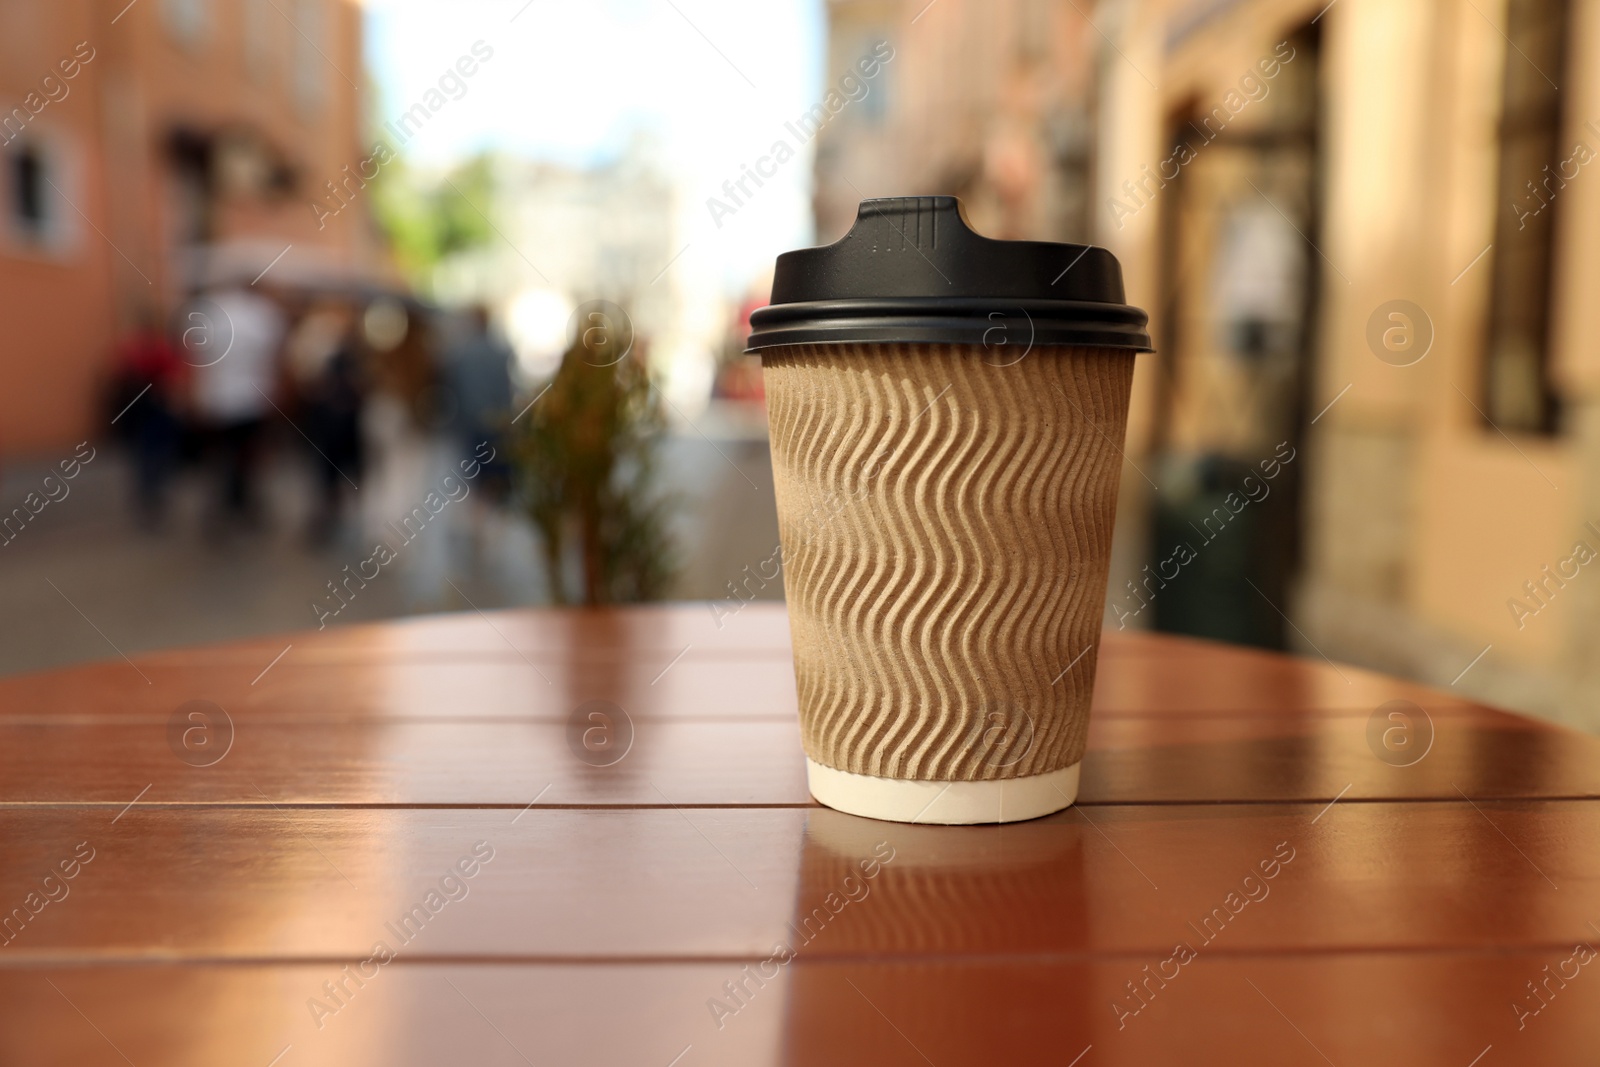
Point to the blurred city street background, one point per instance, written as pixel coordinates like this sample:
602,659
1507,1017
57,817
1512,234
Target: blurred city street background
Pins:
285,280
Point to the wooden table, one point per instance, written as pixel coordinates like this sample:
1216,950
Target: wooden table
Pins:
413,791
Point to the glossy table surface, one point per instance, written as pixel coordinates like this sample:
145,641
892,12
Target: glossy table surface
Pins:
391,845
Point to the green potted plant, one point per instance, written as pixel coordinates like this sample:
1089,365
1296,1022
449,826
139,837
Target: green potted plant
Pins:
586,456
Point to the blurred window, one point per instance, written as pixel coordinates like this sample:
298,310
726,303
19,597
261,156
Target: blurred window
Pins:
38,182
1518,392
187,20
27,191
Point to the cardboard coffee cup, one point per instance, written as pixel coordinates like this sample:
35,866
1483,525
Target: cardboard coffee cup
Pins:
947,415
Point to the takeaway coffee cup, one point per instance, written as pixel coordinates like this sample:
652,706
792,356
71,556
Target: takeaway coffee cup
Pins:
947,416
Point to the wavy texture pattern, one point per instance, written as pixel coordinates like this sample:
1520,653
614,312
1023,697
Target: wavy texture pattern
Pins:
943,893
946,530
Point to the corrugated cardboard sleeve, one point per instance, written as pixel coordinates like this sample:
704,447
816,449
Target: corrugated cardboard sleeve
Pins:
946,516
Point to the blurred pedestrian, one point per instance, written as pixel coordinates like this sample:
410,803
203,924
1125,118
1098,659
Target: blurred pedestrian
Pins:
148,402
326,363
405,368
240,332
477,372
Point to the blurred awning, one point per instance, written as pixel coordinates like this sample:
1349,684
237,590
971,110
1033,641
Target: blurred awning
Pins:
284,265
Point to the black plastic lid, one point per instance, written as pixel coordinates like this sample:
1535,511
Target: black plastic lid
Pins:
911,269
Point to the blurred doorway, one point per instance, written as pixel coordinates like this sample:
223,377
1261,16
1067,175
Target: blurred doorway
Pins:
1241,270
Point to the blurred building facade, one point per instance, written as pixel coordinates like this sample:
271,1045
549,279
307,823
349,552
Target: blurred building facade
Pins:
148,148
568,235
990,100
1377,247
1364,231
